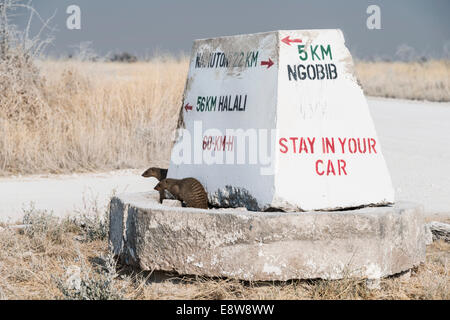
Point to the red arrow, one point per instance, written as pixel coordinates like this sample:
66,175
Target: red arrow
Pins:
267,63
288,41
187,107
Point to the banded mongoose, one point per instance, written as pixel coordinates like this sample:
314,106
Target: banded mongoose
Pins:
158,173
189,190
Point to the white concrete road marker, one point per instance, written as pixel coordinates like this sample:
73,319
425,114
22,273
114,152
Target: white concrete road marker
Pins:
278,120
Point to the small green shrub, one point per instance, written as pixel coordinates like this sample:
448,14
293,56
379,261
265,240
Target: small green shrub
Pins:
91,285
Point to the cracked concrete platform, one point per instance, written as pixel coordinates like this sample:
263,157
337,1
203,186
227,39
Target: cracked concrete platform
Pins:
259,246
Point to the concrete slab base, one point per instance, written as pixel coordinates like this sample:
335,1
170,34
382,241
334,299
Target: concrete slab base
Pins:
366,243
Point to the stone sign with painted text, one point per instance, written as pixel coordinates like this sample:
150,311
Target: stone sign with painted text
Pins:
278,120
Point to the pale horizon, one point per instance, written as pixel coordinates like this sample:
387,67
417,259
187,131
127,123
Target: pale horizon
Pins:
409,29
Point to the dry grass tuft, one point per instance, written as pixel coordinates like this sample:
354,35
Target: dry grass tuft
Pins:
98,116
406,80
22,91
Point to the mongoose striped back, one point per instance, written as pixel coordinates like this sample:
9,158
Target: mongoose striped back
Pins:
189,190
193,193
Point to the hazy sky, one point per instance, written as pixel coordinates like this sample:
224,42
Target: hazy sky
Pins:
143,26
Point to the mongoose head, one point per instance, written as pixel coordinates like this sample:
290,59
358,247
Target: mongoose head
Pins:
161,185
151,172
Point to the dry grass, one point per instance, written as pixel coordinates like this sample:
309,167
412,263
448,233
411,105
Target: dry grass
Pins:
98,116
37,263
406,80
66,116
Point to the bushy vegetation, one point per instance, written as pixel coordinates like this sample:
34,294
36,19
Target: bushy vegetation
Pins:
85,284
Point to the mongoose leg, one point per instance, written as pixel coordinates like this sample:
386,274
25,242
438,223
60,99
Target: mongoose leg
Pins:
162,195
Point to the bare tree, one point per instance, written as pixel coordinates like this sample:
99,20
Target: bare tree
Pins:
22,90
13,39
85,52
406,53
4,40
